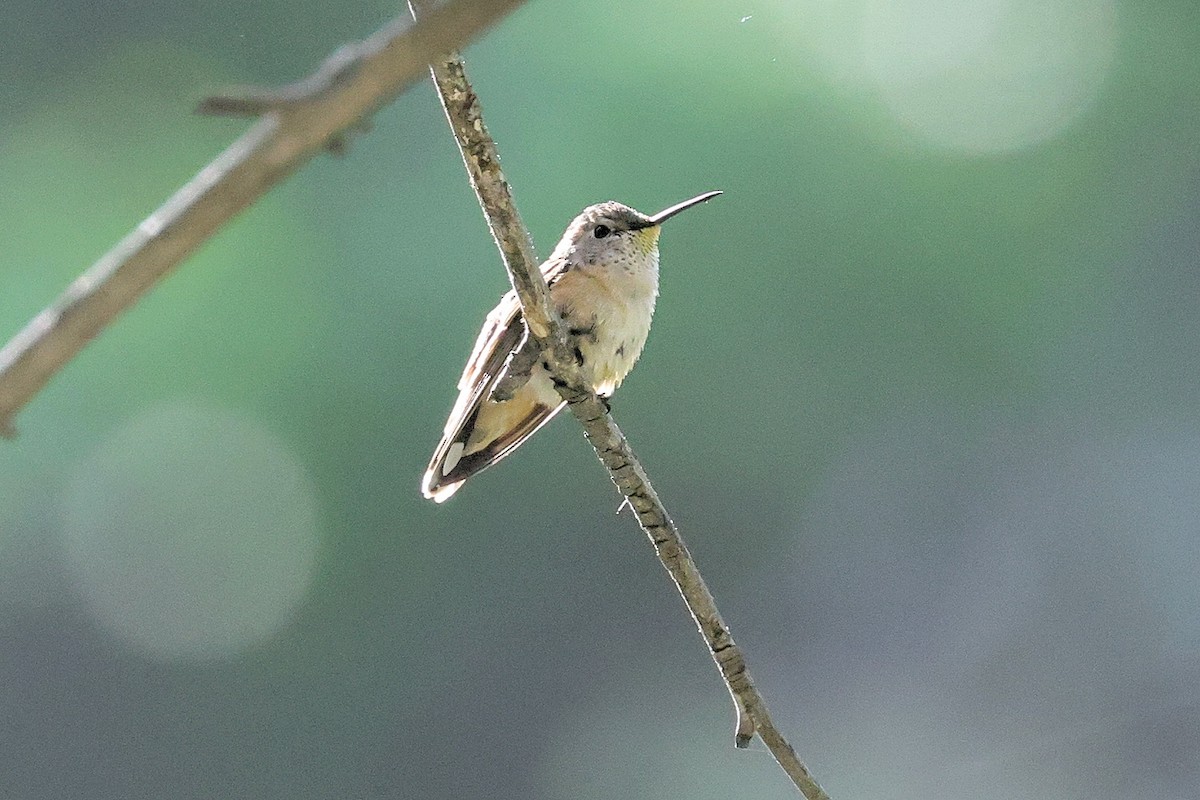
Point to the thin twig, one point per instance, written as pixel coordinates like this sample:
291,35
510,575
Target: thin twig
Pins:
495,197
298,122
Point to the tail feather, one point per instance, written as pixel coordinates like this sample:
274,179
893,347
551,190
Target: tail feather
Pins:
487,435
480,431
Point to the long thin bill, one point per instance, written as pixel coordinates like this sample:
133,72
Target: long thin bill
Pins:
667,213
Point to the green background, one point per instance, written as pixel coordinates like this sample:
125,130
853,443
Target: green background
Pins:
922,394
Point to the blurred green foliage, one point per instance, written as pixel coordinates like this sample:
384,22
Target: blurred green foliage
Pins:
921,393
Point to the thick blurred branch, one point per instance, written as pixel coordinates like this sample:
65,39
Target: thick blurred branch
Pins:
546,332
297,122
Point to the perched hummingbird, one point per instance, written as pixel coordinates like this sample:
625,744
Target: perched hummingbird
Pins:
603,279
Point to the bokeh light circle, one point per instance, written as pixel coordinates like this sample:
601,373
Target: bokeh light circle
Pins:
192,532
974,77
988,75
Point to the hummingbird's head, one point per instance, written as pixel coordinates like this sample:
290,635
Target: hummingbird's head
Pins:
609,235
613,234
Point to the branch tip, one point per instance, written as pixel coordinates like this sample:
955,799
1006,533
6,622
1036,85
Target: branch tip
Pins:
744,731
241,102
253,101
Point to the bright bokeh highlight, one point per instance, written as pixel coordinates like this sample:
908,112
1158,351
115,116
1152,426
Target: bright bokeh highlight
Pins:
975,77
192,531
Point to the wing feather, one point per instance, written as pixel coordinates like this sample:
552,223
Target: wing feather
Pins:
502,334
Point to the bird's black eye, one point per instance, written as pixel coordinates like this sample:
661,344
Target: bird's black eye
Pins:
601,231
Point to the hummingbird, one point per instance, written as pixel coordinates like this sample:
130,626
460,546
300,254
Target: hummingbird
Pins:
603,279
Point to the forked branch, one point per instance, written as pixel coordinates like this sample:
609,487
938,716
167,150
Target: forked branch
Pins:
545,330
296,123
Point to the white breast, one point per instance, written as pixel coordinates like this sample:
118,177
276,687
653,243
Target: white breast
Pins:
609,305
623,317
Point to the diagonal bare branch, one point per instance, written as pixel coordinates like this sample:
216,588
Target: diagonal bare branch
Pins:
297,122
317,113
495,197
